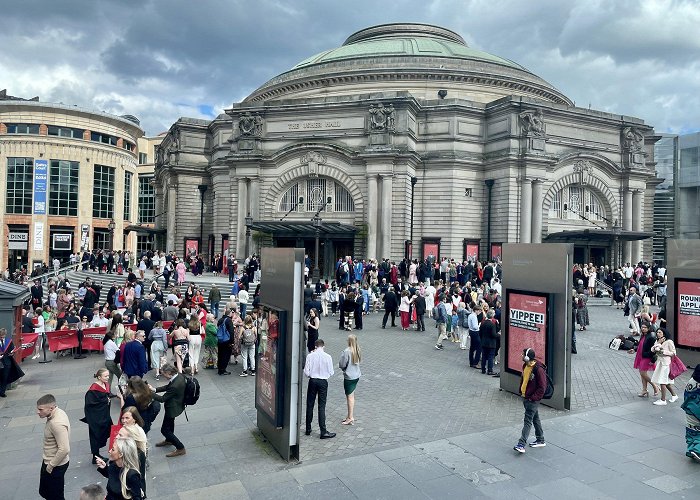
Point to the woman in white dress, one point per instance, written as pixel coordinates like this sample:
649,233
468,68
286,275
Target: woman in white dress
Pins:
592,276
664,350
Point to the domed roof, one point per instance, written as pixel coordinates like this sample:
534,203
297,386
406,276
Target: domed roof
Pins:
417,58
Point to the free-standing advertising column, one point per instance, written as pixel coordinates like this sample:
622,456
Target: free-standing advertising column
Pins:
278,361
537,314
683,298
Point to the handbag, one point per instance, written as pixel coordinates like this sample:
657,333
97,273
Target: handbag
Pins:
677,367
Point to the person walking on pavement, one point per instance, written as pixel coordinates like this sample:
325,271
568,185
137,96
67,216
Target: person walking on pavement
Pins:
474,337
441,320
533,385
391,304
319,368
225,335
214,299
173,401
56,449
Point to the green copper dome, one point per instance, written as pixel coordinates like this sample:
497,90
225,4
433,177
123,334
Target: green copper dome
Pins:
405,40
417,58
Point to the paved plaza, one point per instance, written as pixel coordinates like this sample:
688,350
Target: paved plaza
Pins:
427,426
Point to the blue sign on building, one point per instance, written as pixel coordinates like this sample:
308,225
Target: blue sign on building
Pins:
41,168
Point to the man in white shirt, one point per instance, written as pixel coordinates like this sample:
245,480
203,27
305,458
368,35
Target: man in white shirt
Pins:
99,320
319,368
243,300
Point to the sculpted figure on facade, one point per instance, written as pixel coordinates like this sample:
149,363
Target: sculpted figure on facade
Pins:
313,159
532,122
250,125
382,118
632,140
584,169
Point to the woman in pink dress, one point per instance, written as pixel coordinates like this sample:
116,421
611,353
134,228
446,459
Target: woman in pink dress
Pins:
180,268
643,361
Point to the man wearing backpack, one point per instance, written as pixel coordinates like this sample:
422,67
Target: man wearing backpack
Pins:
173,401
533,385
224,334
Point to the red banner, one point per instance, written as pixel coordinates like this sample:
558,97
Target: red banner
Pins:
687,313
527,327
92,338
28,344
472,252
62,339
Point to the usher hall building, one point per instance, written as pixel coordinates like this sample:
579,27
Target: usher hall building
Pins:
72,179
406,141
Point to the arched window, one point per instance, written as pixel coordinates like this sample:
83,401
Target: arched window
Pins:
316,191
576,203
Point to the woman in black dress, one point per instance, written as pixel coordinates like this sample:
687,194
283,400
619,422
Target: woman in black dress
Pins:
97,404
122,470
312,325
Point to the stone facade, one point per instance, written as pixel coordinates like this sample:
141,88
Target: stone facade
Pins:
38,145
373,144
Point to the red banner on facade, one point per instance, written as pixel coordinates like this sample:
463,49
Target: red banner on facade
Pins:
526,322
687,313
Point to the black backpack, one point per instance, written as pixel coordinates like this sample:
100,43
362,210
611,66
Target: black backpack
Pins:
191,391
549,391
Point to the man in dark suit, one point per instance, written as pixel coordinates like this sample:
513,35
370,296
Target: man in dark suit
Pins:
391,304
146,324
173,401
134,356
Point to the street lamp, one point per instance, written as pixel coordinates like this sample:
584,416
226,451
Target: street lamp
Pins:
316,276
111,226
248,222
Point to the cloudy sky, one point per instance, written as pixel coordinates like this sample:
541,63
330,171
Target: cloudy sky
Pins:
160,60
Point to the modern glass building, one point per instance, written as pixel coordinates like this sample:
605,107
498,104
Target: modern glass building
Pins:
689,186
666,156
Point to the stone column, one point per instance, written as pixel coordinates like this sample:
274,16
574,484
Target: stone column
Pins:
372,212
537,211
240,217
636,249
387,208
626,223
253,206
525,210
172,199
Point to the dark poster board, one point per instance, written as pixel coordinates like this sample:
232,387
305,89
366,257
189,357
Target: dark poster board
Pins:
528,326
687,312
270,367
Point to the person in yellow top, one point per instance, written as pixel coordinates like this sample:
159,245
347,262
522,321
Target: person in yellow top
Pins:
56,448
533,385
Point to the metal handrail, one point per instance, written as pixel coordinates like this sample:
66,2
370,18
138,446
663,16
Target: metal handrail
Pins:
54,272
603,285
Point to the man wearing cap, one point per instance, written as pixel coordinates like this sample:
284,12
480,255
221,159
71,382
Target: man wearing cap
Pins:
533,384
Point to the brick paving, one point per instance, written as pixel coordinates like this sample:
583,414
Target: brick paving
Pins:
427,426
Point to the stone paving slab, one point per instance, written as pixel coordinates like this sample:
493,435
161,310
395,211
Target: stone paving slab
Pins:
427,427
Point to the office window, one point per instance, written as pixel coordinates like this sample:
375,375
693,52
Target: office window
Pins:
103,138
101,239
20,183
23,128
129,146
127,195
147,200
103,192
75,133
555,208
143,158
63,188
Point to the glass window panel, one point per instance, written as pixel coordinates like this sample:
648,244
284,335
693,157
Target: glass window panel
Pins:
103,192
20,174
127,195
147,200
315,194
63,188
290,199
343,200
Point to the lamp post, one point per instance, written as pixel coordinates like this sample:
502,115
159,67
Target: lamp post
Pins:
111,226
408,245
248,222
617,230
316,276
489,186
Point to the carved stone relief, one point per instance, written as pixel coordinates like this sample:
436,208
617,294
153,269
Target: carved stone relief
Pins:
382,118
250,125
584,169
312,160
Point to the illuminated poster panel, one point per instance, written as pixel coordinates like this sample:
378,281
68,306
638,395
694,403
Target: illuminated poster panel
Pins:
687,312
527,321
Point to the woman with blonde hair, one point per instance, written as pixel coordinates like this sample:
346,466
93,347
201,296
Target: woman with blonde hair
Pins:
122,471
132,427
195,344
350,364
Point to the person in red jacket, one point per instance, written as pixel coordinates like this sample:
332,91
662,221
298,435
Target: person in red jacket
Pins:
533,384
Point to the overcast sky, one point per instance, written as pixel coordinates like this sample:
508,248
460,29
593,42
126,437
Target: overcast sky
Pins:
160,60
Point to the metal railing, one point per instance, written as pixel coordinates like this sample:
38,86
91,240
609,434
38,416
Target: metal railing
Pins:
65,269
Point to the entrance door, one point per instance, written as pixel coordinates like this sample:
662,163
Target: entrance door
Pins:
599,256
17,260
579,255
